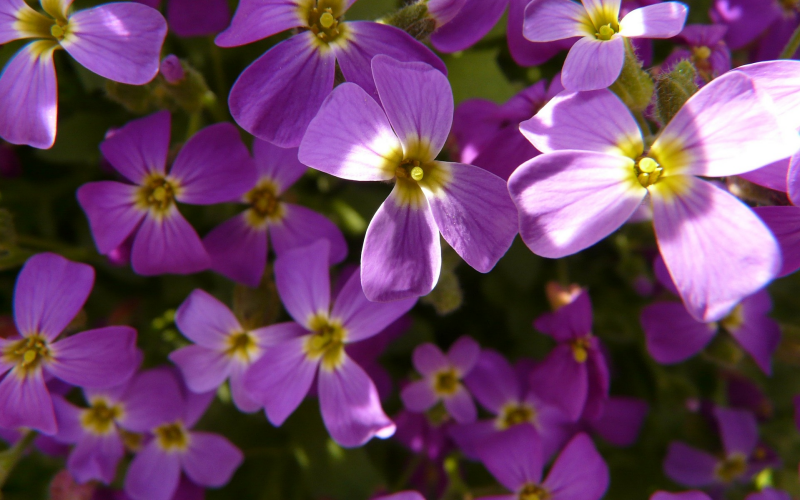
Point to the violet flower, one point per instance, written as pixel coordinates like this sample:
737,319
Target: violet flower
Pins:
592,179
471,208
114,420
238,247
574,376
477,17
769,494
784,222
403,495
673,335
50,291
621,420
207,459
223,349
695,468
516,461
705,48
276,97
189,18
596,60
315,348
685,495
748,19
488,135
506,394
212,167
119,41
442,379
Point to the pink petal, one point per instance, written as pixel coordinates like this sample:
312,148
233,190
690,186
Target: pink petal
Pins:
203,369
419,396
738,429
461,406
593,64
303,281
140,147
168,245
429,359
471,24
203,319
514,457
280,165
579,472
463,354
779,80
189,18
550,20
689,466
663,20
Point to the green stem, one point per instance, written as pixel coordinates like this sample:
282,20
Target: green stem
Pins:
412,466
219,69
195,123
10,457
791,47
643,123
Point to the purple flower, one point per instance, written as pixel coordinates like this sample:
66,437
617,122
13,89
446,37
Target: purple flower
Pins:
686,495
424,435
784,222
574,376
212,167
705,48
673,335
208,459
695,468
747,19
189,18
477,17
516,460
401,257
592,179
621,420
119,41
367,352
50,291
488,134
442,379
238,247
113,421
507,395
403,495
769,494
276,97
172,69
315,347
223,348
443,11
595,61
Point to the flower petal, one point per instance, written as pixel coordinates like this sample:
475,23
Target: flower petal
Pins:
759,334
474,214
49,293
153,474
693,223
793,179
96,457
301,227
621,421
463,354
206,321
280,165
471,24
401,257
663,20
168,245
419,396
238,250
140,147
727,128
10,13
493,381
211,459
461,406
276,97
686,495
429,359
570,200
214,166
303,281
569,321
550,20
26,402
29,97
593,64
363,318
773,176
738,429
689,466
514,457
258,19
242,398
198,17
672,334
369,39
350,405
112,212
569,121
153,398
779,80
562,381
419,103
579,472
351,138
104,357
203,369
784,222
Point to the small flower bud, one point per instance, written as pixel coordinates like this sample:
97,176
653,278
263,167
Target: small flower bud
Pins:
414,19
171,69
634,85
674,89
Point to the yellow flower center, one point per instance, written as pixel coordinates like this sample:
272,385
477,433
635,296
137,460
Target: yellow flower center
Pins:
100,417
131,440
158,193
324,18
28,354
648,171
31,23
172,437
326,342
533,492
446,382
242,345
605,32
731,468
734,320
265,206
515,414
581,348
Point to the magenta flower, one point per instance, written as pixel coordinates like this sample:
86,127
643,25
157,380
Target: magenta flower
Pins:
401,257
595,61
574,376
506,394
477,17
516,461
591,180
276,97
621,420
442,379
784,222
212,167
673,335
223,349
119,41
189,18
208,459
685,495
488,134
747,20
315,347
238,247
769,494
403,495
705,48
695,468
113,420
50,291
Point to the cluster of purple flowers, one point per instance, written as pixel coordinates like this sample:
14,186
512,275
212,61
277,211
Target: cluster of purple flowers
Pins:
563,165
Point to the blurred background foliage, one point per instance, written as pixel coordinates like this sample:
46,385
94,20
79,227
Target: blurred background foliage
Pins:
39,212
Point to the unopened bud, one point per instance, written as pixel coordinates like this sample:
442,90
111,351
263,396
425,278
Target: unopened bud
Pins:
559,295
172,70
414,19
673,89
634,85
